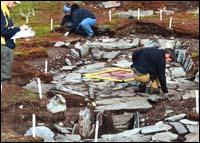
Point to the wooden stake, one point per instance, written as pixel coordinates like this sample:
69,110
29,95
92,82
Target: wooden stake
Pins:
161,15
27,20
138,13
110,15
34,123
170,23
39,88
96,131
197,101
46,65
51,24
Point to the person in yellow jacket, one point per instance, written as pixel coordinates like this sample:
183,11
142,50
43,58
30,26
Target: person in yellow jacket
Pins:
7,44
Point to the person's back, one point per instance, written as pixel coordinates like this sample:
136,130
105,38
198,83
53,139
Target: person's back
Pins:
151,61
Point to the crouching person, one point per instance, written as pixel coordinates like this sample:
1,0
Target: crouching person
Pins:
82,20
149,68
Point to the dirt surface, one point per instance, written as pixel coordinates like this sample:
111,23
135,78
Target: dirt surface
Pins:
15,121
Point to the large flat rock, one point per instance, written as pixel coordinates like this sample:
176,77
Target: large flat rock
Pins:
133,103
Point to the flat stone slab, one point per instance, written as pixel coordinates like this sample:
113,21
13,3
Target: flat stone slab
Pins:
160,126
135,13
189,122
176,117
92,67
193,137
134,103
164,137
116,45
123,64
193,129
179,127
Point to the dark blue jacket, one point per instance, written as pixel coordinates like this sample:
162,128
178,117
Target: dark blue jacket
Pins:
80,14
152,61
9,31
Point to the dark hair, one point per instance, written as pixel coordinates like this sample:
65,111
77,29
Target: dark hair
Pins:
171,52
74,7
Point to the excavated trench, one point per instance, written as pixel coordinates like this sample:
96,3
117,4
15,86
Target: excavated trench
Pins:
106,126
153,28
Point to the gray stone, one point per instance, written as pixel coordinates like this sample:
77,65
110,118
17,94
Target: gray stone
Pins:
176,117
116,45
193,129
179,127
68,62
161,124
57,104
73,78
197,77
111,55
165,12
71,91
152,129
181,55
60,43
123,64
193,137
33,86
62,129
68,68
92,67
74,53
97,54
151,43
110,4
127,133
84,49
58,77
74,137
122,120
43,132
177,72
166,43
154,98
169,112
141,138
135,13
137,103
164,137
189,94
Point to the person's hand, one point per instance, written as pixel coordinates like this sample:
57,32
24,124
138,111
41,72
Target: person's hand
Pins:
24,27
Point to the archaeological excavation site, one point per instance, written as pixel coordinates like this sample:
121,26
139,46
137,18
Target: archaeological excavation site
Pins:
67,86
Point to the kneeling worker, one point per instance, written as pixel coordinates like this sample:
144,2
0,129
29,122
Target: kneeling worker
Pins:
82,20
149,68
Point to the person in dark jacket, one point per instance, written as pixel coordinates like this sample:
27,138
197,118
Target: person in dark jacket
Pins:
82,20
149,67
7,44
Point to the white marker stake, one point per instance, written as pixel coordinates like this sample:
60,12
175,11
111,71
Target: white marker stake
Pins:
96,131
138,14
27,20
170,23
33,121
161,15
46,64
39,88
197,101
51,24
110,15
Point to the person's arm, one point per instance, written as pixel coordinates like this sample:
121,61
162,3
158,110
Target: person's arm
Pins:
161,76
7,32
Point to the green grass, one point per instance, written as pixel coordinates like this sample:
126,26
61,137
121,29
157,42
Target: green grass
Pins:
40,23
